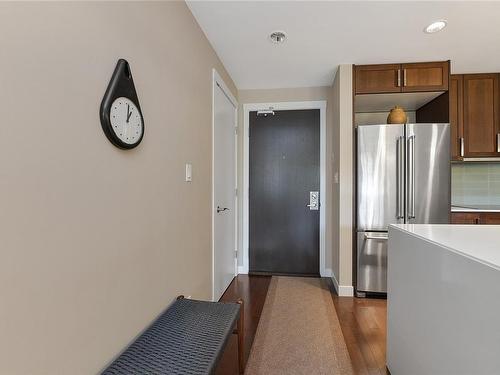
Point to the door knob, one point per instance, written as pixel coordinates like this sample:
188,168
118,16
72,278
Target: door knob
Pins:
219,209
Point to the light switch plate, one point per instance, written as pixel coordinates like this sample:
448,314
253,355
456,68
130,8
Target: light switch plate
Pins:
189,172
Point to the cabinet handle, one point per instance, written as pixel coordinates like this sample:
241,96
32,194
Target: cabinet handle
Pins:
404,77
399,77
498,142
411,173
462,147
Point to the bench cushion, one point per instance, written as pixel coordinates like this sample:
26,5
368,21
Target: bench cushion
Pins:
188,338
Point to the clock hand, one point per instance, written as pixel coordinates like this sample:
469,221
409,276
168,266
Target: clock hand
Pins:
128,115
128,112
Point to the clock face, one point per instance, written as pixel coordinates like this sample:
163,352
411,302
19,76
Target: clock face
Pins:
126,121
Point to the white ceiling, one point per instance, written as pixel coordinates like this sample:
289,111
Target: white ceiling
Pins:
322,35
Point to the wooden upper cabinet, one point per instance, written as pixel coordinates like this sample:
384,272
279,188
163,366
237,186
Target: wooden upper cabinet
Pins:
432,76
456,105
481,117
376,79
392,78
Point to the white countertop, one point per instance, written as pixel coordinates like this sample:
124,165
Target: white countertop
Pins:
478,242
443,283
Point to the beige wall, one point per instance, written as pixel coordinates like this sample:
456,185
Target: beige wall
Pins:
289,95
96,241
343,190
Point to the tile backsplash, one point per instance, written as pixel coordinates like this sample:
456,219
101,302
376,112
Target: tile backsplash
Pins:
475,184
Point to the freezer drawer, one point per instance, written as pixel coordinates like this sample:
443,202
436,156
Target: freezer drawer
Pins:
372,262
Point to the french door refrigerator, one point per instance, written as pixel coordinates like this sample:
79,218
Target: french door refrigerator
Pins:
403,176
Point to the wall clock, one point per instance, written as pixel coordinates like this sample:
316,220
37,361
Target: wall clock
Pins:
121,116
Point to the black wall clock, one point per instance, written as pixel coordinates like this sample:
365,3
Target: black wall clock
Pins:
121,116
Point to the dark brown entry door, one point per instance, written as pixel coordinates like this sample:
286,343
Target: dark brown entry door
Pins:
284,170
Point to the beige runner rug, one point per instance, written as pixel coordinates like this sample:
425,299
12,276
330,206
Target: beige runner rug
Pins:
299,331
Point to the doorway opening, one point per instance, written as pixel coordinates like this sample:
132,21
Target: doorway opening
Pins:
284,195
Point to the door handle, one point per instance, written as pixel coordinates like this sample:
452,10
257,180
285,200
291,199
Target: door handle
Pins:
399,177
399,77
404,77
219,209
462,146
498,142
381,237
313,200
411,173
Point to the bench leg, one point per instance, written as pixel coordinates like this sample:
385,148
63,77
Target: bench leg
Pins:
241,338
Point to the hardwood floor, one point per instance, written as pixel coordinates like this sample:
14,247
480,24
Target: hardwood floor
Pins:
363,323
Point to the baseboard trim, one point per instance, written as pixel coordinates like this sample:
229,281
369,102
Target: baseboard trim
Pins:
327,272
342,290
346,291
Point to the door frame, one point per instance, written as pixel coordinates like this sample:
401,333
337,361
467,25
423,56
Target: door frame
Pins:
217,81
285,106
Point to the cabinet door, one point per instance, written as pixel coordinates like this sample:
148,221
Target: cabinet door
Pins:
374,79
490,218
433,76
481,122
465,218
456,116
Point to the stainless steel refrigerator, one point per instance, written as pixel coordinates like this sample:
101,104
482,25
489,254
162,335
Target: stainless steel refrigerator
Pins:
403,176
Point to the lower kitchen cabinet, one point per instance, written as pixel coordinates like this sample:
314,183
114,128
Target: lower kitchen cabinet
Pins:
475,218
465,217
490,218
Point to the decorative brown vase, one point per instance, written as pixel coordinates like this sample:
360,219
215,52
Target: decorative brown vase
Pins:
397,116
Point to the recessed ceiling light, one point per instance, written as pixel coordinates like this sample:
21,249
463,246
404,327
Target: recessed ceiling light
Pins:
436,26
277,37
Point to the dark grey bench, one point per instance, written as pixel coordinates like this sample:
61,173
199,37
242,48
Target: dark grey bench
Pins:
188,338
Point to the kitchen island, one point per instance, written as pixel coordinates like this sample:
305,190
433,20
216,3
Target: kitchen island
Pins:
443,299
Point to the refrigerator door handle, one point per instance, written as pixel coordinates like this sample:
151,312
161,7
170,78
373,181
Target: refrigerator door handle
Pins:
411,174
400,177
382,237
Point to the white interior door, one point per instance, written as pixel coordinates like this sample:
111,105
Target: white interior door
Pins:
224,267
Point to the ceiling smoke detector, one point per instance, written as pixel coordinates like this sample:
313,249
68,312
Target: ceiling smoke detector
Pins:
436,26
277,37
